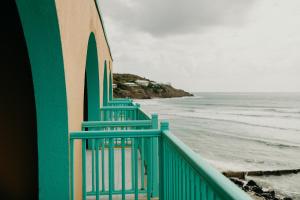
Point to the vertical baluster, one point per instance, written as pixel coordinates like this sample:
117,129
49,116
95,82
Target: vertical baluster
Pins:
83,148
173,175
192,175
162,171
134,114
111,169
149,172
113,164
136,180
197,187
96,147
142,164
177,176
203,190
110,117
188,182
169,174
103,163
132,164
123,167
167,170
72,167
155,156
180,179
211,194
93,164
184,180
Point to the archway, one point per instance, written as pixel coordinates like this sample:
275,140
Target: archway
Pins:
41,30
91,89
18,144
105,86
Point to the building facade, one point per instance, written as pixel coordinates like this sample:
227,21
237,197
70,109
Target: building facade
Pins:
61,49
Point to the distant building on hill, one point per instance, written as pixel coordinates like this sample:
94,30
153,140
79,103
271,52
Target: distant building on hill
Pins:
130,84
142,82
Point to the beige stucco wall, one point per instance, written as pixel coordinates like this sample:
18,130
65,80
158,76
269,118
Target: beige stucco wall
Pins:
77,19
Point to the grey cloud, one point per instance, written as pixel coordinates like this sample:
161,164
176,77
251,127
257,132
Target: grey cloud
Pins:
167,17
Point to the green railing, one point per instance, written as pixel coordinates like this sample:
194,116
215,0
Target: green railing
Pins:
119,113
120,102
145,148
184,175
160,163
99,186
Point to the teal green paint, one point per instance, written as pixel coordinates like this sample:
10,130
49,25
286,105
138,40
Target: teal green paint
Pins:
92,76
155,158
105,86
213,184
110,86
181,173
41,30
92,81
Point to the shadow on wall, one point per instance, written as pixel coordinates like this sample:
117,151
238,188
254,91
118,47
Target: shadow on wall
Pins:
18,143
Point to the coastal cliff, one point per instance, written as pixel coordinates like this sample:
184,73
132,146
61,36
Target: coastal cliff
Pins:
136,87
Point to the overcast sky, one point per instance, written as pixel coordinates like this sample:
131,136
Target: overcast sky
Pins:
207,45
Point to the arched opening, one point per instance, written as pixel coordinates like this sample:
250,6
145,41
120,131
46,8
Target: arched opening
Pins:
41,30
91,88
105,86
18,143
110,86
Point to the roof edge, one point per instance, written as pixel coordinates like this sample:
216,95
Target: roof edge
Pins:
102,24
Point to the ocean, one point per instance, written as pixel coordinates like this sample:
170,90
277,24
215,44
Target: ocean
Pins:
239,132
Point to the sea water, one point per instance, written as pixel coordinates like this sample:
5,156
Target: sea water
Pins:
239,131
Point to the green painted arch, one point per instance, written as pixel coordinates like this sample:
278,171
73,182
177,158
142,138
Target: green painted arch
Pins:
105,86
41,30
92,81
110,86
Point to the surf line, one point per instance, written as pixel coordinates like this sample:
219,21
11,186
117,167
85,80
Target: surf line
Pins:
243,174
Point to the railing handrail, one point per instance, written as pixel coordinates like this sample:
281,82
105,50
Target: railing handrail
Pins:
133,107
122,99
136,123
115,134
224,187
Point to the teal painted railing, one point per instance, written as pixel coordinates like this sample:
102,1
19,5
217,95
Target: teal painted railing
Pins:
184,175
120,102
99,186
172,169
119,113
145,148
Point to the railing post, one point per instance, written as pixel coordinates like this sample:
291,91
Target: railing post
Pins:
155,161
137,111
164,126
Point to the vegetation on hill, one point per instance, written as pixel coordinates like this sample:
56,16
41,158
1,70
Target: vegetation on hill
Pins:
143,91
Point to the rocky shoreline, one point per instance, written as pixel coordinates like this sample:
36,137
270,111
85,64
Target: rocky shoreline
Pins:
255,190
136,87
